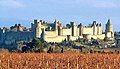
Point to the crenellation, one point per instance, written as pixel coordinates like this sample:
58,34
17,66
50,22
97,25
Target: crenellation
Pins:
55,32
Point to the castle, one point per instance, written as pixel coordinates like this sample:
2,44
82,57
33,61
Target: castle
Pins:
55,32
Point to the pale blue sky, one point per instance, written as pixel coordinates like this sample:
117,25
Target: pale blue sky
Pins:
80,11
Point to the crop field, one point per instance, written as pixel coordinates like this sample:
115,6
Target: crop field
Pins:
59,61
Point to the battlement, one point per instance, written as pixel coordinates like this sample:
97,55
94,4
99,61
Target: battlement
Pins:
53,32
72,29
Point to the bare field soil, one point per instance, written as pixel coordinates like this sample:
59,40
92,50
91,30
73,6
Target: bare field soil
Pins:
59,61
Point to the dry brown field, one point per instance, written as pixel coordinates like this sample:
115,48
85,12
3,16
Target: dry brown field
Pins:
59,61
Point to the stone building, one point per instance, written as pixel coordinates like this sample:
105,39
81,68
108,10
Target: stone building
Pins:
55,32
14,34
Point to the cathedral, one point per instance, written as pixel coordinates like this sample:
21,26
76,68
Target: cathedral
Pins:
55,32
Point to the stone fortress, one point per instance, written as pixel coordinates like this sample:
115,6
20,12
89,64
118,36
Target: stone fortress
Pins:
55,32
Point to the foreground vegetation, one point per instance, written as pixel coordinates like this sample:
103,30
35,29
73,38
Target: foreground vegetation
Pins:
59,61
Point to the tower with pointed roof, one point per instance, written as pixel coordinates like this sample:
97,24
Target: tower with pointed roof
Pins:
109,26
109,30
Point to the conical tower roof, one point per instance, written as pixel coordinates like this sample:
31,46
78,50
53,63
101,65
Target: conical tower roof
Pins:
109,21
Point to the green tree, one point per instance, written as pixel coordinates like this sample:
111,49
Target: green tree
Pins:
38,45
35,46
105,39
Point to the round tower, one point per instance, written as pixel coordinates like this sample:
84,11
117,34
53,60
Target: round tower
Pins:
59,30
109,30
94,28
81,29
58,27
56,24
109,26
99,29
74,29
36,28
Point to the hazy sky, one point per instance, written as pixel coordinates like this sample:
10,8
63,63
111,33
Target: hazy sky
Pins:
80,11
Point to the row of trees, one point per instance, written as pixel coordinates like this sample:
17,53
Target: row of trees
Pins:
37,45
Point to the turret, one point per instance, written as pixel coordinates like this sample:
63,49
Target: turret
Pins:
99,29
35,21
74,29
59,28
32,26
94,23
109,26
41,21
94,28
109,30
56,25
55,21
36,28
81,28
